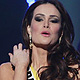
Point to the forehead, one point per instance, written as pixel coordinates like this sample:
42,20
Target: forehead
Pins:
47,9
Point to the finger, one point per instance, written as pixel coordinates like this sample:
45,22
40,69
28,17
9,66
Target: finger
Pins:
20,46
14,49
11,55
25,50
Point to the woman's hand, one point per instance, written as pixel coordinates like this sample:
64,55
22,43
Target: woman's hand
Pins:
19,57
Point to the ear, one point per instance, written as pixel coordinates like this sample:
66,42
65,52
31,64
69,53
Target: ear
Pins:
29,30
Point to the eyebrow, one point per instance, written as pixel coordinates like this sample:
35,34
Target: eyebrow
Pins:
54,16
40,14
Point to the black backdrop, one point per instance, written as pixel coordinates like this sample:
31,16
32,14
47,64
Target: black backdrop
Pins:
11,14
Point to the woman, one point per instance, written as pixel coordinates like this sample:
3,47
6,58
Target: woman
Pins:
49,55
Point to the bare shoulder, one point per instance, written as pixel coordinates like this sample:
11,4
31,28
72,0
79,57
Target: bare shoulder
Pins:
6,71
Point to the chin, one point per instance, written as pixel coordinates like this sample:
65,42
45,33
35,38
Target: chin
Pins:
42,45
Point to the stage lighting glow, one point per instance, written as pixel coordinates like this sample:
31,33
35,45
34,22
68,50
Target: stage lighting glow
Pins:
30,2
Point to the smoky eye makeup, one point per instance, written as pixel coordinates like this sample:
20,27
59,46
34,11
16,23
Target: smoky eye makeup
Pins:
38,19
55,20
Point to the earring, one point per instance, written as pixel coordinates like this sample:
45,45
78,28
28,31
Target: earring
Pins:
30,39
60,38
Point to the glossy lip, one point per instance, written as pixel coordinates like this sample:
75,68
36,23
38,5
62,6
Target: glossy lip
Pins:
45,33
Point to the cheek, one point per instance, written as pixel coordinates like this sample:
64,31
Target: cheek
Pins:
34,29
34,26
55,29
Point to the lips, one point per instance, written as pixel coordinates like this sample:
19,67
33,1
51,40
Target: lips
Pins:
45,33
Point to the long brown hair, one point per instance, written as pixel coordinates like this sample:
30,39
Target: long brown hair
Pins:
63,54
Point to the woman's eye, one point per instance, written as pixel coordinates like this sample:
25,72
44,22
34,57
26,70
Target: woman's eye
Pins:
38,19
54,21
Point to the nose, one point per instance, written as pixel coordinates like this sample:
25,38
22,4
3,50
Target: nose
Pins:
46,24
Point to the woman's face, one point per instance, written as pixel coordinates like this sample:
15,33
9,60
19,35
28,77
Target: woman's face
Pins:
45,24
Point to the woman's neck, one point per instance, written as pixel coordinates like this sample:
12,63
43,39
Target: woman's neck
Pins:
39,58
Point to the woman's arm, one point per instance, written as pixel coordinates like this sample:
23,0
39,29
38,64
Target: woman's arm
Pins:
20,73
6,71
20,59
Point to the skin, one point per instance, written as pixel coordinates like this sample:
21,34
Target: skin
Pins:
43,16
20,57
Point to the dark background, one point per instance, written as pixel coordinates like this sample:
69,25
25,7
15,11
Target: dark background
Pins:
11,15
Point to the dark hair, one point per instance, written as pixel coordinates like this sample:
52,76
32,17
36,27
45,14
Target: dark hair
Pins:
62,55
